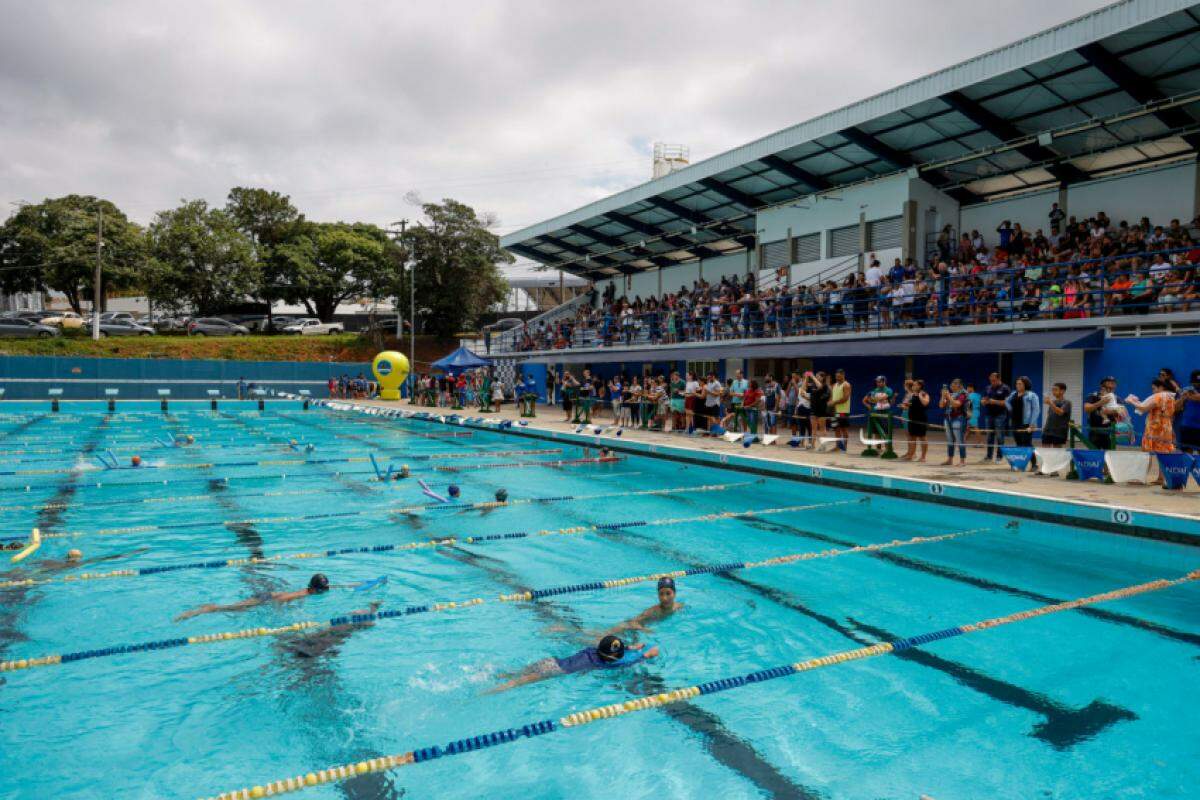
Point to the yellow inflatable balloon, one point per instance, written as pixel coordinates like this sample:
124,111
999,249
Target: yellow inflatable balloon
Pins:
390,368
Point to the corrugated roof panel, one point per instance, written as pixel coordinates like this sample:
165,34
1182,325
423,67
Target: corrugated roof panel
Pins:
990,68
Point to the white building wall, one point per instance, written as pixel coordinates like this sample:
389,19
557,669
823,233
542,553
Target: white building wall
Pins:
935,210
1161,194
824,212
645,284
1031,210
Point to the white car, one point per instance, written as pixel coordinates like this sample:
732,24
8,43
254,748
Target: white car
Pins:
65,320
312,326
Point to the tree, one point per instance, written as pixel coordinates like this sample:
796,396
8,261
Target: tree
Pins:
199,259
334,262
51,246
269,220
455,257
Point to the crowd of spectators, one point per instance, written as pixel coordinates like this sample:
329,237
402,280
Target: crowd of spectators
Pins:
812,408
1081,268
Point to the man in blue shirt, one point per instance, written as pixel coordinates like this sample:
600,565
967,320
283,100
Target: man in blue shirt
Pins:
1189,423
737,390
995,415
609,653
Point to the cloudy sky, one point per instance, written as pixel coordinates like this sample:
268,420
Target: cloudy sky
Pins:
526,108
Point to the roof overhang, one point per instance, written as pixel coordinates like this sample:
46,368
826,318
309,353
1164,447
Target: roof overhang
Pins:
1110,91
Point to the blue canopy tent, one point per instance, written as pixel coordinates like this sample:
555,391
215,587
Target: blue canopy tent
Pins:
460,359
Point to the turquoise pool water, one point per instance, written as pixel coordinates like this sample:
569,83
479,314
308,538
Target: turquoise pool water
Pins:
1096,703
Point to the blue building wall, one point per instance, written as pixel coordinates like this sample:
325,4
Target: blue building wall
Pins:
1132,361
30,377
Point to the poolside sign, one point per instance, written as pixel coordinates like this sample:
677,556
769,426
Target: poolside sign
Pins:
390,368
1175,469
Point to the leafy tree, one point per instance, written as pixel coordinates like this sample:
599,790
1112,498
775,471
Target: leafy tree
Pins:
334,262
51,246
455,257
200,259
269,220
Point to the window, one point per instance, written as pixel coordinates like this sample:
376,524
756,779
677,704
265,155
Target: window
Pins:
701,368
885,233
774,255
806,248
843,241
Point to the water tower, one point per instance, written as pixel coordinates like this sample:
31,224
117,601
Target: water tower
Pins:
669,158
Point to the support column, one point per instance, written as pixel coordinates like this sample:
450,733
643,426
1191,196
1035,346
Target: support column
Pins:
862,240
908,219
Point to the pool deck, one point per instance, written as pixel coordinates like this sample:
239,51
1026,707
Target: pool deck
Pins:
974,475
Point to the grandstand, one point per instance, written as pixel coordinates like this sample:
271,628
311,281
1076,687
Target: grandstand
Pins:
776,239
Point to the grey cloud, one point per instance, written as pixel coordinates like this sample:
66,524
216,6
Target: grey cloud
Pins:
522,108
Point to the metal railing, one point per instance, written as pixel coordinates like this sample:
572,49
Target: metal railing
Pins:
1085,288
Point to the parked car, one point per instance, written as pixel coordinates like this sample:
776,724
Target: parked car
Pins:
215,326
121,327
67,320
259,323
311,326
18,327
166,324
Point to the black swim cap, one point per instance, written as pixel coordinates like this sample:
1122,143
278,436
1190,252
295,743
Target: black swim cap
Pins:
666,583
318,583
501,495
611,648
454,490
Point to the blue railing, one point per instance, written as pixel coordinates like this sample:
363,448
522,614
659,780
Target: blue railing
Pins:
1079,289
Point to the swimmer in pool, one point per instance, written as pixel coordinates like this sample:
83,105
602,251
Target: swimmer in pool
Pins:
609,653
75,559
665,607
502,495
318,584
454,491
135,461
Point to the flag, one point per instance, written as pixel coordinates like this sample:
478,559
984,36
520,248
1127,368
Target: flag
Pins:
1089,464
1175,469
1017,457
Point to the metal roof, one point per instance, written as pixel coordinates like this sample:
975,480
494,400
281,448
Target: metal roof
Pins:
1113,90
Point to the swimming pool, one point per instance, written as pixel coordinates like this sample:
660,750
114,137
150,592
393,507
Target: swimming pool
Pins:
1095,702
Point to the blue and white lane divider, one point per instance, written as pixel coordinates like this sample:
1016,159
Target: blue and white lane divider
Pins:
576,719
515,597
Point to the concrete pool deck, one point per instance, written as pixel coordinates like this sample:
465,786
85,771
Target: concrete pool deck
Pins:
976,476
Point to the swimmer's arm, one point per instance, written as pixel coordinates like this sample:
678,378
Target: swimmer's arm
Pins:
115,556
214,608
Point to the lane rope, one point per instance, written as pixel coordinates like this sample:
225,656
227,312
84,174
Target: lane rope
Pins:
514,597
576,719
385,510
380,548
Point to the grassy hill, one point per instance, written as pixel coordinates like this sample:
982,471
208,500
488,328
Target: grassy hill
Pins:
346,347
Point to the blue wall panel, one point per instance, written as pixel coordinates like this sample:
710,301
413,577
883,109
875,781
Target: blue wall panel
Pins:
30,377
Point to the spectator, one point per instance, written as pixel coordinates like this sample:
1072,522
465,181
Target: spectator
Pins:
1023,410
1056,429
1103,413
995,415
916,403
840,401
1188,405
1159,408
953,402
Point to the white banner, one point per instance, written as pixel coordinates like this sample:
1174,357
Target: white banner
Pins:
1127,466
1053,460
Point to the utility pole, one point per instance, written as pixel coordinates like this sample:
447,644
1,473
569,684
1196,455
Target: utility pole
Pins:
96,277
412,324
403,262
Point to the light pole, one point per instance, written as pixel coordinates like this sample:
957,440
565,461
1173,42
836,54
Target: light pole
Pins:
96,277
